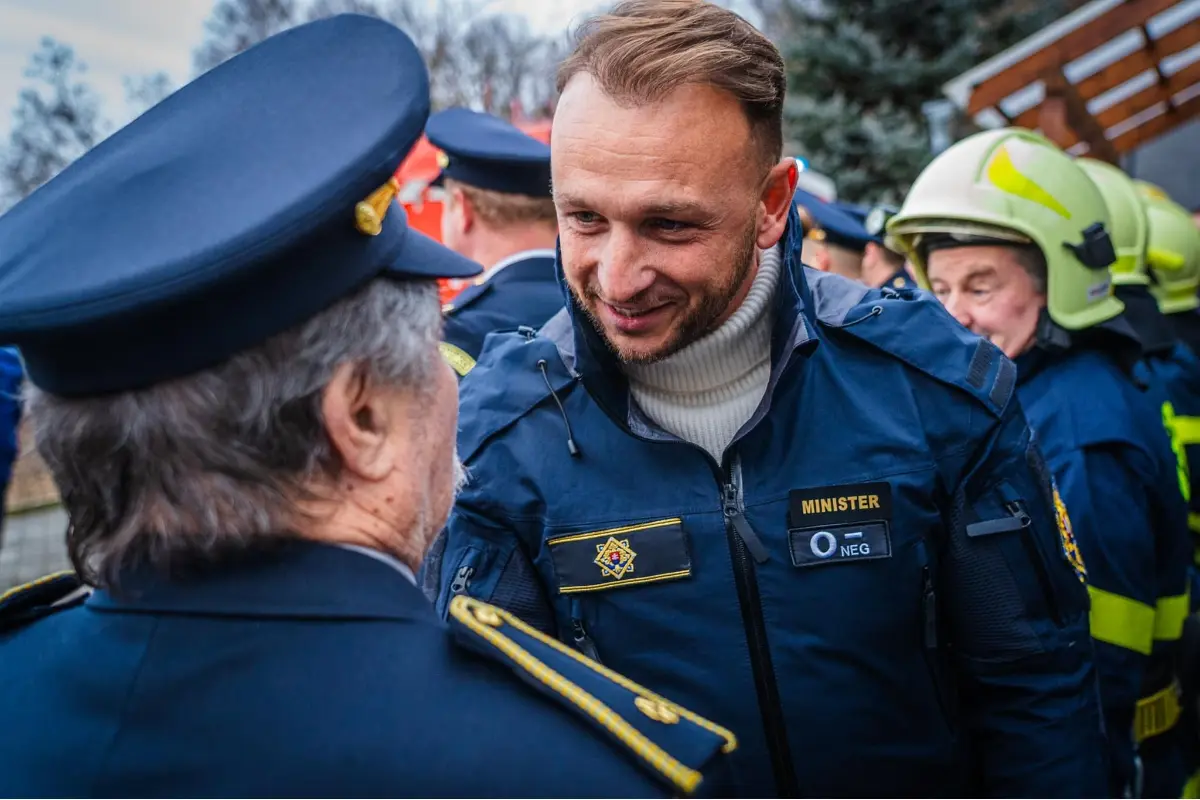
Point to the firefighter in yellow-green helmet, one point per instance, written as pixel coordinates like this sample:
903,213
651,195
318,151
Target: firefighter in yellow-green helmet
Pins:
1015,239
1171,372
1173,256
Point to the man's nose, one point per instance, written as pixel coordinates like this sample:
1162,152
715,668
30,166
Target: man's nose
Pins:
958,309
622,273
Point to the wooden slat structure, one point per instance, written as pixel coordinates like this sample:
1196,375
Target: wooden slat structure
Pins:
1103,80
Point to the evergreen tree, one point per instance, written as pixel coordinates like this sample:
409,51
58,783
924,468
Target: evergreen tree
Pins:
859,71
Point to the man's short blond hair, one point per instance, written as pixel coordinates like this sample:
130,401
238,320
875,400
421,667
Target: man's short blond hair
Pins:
644,49
501,210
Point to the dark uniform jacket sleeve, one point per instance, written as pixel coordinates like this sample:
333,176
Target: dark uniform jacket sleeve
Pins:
1018,620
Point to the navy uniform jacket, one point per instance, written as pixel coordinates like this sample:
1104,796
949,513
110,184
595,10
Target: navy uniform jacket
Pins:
11,377
870,588
523,292
1104,440
316,672
900,280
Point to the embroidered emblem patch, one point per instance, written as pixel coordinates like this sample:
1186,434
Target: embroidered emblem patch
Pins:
660,547
615,558
1067,536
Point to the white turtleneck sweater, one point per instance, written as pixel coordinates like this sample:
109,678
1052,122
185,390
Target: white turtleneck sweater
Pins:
705,393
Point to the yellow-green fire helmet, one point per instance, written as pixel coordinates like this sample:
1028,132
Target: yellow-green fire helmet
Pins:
1013,185
1173,254
1127,217
1151,191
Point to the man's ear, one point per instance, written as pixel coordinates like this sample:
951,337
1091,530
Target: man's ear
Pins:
358,420
776,201
466,211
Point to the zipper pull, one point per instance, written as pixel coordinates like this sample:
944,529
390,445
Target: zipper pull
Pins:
1017,509
929,610
462,580
733,513
1018,518
583,642
729,498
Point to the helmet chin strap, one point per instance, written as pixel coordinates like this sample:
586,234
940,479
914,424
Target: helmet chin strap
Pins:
1114,337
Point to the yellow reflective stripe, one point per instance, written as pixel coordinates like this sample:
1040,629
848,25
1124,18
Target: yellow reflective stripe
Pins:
1005,176
1172,424
1187,429
1165,259
1157,713
1169,615
1191,789
457,358
1194,524
1121,621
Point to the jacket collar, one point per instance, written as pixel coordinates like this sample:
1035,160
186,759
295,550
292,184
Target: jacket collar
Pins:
516,258
1153,330
294,579
589,357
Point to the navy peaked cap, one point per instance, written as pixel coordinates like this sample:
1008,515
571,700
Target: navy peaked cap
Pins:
829,223
487,152
242,205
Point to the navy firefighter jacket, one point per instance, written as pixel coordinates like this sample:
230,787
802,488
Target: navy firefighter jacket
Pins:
1106,446
870,588
521,291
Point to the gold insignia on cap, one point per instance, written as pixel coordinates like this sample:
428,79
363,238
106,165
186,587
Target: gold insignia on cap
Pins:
811,229
443,160
369,214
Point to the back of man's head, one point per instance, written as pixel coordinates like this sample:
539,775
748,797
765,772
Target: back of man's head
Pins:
504,212
191,470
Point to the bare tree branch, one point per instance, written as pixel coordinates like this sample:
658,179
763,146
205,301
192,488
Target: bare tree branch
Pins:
144,91
237,25
57,119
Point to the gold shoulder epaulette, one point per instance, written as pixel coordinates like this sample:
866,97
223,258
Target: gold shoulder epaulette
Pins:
37,598
457,358
628,712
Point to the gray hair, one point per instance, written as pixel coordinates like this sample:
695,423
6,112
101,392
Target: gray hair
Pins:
188,470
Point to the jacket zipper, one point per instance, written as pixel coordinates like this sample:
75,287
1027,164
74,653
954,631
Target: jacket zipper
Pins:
583,642
742,543
1018,512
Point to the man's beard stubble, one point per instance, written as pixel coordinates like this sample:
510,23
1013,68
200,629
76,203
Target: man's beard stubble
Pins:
696,325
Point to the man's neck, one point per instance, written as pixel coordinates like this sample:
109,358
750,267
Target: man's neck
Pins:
362,524
498,249
706,392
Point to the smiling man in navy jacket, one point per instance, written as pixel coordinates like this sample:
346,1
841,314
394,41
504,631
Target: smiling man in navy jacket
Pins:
811,509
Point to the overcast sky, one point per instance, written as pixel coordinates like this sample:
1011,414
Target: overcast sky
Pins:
134,37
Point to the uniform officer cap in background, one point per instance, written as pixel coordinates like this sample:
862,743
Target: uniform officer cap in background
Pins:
825,222
488,153
245,203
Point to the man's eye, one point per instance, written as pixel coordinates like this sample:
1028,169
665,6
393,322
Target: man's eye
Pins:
669,225
585,217
981,291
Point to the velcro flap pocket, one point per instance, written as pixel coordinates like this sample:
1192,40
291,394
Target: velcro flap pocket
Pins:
632,555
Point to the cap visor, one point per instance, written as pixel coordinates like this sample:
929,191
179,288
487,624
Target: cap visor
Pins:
422,257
